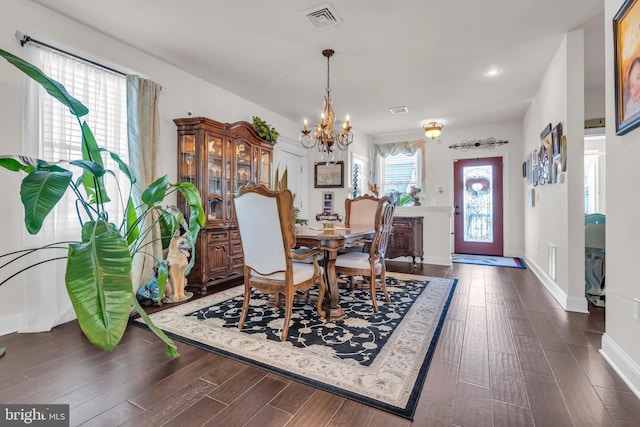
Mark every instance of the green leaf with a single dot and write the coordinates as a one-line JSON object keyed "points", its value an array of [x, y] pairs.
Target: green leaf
{"points": [[172, 350], [40, 191], [155, 192], [53, 87], [122, 165], [196, 216], [405, 199], [132, 231], [93, 185], [18, 163], [169, 224], [91, 167], [98, 280], [284, 179]]}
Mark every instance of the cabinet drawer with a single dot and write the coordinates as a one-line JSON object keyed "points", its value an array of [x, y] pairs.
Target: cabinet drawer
{"points": [[218, 236], [236, 247], [401, 225], [235, 235]]}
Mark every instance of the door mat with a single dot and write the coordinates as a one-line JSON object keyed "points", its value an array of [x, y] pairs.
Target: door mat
{"points": [[496, 261]]}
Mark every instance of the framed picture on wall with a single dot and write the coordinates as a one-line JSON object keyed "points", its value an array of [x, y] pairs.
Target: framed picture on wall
{"points": [[556, 135], [327, 202], [329, 175], [626, 40]]}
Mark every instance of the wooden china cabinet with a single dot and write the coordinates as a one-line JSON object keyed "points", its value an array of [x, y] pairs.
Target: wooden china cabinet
{"points": [[219, 158]]}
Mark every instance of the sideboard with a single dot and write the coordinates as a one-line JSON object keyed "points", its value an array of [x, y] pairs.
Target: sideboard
{"points": [[406, 239]]}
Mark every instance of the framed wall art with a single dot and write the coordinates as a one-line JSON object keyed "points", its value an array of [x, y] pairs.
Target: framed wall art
{"points": [[327, 202], [329, 175], [626, 40], [556, 135]]}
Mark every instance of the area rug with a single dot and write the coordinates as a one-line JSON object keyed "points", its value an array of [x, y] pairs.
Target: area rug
{"points": [[496, 261], [379, 359]]}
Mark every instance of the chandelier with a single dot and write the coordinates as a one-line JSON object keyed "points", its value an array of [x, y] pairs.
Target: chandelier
{"points": [[324, 136], [433, 130]]}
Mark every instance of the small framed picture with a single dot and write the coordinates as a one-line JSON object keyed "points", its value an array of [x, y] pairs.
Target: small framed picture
{"points": [[556, 136], [327, 202]]}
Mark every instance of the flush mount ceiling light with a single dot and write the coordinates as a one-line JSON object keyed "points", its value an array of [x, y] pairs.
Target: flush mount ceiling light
{"points": [[325, 137], [433, 130]]}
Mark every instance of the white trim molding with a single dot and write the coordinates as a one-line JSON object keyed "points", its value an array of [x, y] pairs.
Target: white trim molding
{"points": [[628, 370]]}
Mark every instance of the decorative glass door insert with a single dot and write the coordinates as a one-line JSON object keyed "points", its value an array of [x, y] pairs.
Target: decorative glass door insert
{"points": [[478, 213]]}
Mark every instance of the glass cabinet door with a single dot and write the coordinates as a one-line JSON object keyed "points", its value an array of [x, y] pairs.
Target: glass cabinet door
{"points": [[188, 164], [228, 174], [264, 170], [214, 177], [243, 164]]}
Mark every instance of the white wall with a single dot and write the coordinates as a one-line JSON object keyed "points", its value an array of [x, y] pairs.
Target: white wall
{"points": [[620, 343], [558, 215], [182, 93]]}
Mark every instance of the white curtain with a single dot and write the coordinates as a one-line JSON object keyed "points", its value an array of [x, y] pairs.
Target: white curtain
{"points": [[51, 133], [143, 135], [408, 148]]}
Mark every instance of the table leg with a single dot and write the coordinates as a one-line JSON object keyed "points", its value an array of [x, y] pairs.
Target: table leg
{"points": [[332, 296]]}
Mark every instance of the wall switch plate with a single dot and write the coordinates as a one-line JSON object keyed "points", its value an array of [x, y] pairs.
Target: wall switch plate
{"points": [[636, 309]]}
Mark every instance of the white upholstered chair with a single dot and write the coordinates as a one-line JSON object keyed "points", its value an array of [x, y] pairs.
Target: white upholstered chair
{"points": [[266, 221], [371, 263]]}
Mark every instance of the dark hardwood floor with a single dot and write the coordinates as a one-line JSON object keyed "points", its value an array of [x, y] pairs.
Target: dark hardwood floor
{"points": [[508, 356]]}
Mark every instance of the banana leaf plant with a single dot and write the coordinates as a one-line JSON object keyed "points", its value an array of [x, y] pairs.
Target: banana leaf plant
{"points": [[98, 270]]}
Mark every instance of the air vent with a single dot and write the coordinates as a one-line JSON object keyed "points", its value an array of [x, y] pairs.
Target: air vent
{"points": [[399, 110], [323, 16]]}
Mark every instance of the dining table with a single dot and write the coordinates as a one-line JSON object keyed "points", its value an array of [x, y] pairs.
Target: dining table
{"points": [[330, 239]]}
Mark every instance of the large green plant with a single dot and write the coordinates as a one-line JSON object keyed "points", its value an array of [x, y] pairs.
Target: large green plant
{"points": [[98, 273]]}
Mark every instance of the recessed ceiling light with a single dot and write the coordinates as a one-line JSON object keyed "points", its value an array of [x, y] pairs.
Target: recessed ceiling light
{"points": [[493, 72]]}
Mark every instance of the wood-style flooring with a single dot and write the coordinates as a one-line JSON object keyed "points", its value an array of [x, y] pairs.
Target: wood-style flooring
{"points": [[508, 356]]}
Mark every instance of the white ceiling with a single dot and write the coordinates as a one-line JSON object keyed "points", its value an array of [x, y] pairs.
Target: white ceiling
{"points": [[427, 55]]}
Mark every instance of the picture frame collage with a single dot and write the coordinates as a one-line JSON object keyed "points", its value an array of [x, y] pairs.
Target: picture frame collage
{"points": [[548, 163]]}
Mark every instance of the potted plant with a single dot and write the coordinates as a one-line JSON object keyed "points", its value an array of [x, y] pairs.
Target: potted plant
{"points": [[265, 131], [98, 272]]}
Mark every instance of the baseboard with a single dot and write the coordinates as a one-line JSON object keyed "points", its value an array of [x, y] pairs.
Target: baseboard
{"points": [[438, 260], [10, 324], [628, 370], [578, 305]]}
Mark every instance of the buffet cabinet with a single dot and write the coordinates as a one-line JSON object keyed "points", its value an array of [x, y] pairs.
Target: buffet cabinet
{"points": [[219, 158], [406, 239]]}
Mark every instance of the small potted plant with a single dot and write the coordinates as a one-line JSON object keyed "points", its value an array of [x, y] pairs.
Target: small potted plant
{"points": [[265, 131]]}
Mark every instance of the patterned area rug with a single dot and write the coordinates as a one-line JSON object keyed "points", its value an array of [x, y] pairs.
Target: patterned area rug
{"points": [[379, 359], [496, 261]]}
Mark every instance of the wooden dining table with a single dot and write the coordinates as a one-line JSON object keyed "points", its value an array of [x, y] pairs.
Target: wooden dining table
{"points": [[330, 240]]}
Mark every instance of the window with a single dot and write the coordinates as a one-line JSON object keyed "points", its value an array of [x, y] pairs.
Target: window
{"points": [[60, 137], [400, 172]]}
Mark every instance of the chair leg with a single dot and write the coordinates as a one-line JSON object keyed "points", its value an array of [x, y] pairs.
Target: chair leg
{"points": [[245, 304], [383, 284], [287, 315], [372, 289]]}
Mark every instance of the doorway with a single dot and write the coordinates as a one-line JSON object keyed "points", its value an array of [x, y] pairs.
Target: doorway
{"points": [[477, 196]]}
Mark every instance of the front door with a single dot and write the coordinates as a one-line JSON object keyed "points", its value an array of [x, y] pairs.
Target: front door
{"points": [[477, 198]]}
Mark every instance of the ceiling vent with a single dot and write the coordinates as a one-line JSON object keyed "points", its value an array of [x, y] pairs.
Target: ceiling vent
{"points": [[399, 110], [323, 16]]}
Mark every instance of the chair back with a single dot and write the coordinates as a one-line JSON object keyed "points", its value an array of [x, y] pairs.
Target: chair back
{"points": [[266, 222], [361, 210], [383, 225]]}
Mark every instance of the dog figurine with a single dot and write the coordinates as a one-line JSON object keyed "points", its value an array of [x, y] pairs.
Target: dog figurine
{"points": [[178, 259]]}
